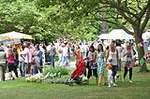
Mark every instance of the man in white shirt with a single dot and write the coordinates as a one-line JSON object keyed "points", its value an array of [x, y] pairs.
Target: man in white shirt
{"points": [[65, 55], [28, 57]]}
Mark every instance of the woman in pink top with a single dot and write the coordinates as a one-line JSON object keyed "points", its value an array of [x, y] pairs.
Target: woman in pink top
{"points": [[10, 61]]}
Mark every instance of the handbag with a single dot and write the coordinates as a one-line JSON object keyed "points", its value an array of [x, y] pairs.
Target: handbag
{"points": [[109, 66]]}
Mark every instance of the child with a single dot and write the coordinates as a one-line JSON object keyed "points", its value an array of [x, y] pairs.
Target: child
{"points": [[109, 75]]}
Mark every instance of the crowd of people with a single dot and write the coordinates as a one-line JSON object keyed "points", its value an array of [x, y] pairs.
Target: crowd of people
{"points": [[30, 58], [110, 58]]}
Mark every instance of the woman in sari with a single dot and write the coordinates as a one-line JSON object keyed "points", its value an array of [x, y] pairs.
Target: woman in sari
{"points": [[80, 65]]}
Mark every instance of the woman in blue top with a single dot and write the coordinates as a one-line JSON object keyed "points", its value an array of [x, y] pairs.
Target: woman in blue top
{"points": [[101, 65]]}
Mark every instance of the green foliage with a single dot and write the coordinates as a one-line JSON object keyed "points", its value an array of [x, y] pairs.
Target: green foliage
{"points": [[50, 75], [20, 89], [47, 20], [57, 70], [56, 80]]}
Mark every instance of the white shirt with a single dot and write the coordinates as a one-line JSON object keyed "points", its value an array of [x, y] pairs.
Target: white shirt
{"points": [[48, 47], [125, 57], [21, 58], [28, 55], [65, 51], [119, 49], [113, 57]]}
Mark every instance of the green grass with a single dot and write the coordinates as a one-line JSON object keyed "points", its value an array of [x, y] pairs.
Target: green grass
{"points": [[19, 89]]}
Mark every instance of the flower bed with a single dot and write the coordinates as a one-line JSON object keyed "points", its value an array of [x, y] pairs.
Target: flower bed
{"points": [[51, 75]]}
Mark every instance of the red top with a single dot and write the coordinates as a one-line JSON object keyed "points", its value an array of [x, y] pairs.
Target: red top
{"points": [[10, 58]]}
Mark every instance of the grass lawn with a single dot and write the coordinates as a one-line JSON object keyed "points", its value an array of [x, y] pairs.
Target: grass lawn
{"points": [[19, 89]]}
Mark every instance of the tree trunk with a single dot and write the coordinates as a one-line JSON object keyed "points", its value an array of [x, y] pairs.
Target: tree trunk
{"points": [[140, 50], [104, 27]]}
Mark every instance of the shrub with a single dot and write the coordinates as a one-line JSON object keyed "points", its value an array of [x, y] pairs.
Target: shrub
{"points": [[57, 71], [50, 75]]}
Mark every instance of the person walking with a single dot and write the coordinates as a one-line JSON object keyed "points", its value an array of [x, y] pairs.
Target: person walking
{"points": [[109, 75], [3, 65], [112, 59], [92, 59], [101, 64], [66, 54], [52, 53], [11, 63], [37, 55], [129, 61], [16, 61], [77, 53], [28, 51], [22, 63]]}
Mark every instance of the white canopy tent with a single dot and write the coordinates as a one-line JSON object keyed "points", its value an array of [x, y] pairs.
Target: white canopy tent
{"points": [[117, 34], [104, 36], [146, 35], [14, 36], [120, 34]]}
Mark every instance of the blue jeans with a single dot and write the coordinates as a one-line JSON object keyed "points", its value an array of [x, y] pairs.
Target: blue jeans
{"points": [[65, 60], [22, 68], [114, 71], [52, 60], [36, 70]]}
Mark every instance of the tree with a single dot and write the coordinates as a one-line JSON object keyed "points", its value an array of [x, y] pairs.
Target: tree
{"points": [[47, 20], [130, 15], [80, 19], [136, 13], [17, 15]]}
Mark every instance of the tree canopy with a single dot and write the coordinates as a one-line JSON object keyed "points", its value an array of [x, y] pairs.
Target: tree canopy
{"points": [[46, 20], [77, 19]]}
